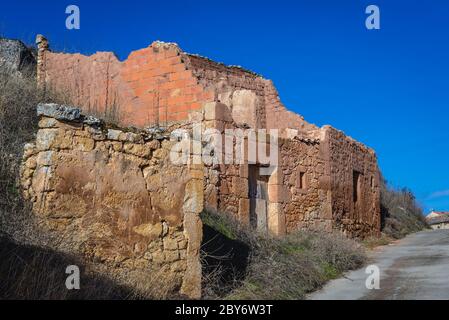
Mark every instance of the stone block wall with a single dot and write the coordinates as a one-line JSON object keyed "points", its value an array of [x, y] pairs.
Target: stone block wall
{"points": [[225, 185], [291, 203], [114, 197], [355, 185], [303, 177]]}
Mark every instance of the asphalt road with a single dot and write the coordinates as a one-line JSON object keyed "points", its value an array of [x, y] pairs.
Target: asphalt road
{"points": [[416, 267]]}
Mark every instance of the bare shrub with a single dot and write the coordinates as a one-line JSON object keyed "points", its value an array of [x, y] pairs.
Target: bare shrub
{"points": [[18, 122], [19, 96], [373, 242], [110, 114], [281, 268]]}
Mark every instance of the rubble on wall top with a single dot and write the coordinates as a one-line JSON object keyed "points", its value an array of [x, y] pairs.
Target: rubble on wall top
{"points": [[304, 136], [307, 140], [158, 45], [66, 113], [237, 67], [164, 44], [59, 112], [349, 138], [72, 114], [40, 38]]}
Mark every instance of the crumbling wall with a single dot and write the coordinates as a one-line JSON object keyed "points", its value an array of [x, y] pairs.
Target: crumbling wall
{"points": [[311, 187], [355, 185], [303, 190], [225, 183], [165, 87], [277, 115], [241, 90], [152, 87], [161, 84], [114, 197]]}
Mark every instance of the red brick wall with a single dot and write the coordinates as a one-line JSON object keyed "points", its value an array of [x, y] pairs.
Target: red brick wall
{"points": [[159, 84], [153, 86]]}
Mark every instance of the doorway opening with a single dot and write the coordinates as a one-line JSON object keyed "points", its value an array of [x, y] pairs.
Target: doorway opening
{"points": [[258, 198]]}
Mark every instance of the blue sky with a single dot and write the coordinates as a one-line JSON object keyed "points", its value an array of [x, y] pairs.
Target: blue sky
{"points": [[388, 88]]}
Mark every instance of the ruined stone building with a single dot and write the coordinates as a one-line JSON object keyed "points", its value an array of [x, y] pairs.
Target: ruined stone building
{"points": [[116, 188]]}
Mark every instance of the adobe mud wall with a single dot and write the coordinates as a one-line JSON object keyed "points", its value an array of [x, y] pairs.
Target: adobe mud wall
{"points": [[114, 197]]}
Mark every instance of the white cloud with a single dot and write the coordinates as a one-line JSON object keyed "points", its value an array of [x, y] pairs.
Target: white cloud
{"points": [[439, 194]]}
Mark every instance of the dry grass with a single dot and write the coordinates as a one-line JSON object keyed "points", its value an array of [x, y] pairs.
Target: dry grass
{"points": [[29, 272], [29, 268], [280, 268], [18, 123], [38, 273], [19, 96], [373, 242], [110, 115]]}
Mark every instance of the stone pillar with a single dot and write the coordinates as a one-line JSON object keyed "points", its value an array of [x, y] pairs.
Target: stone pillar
{"points": [[276, 196], [193, 229], [325, 180], [42, 48]]}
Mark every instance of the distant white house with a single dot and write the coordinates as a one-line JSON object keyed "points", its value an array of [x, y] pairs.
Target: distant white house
{"points": [[438, 220]]}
